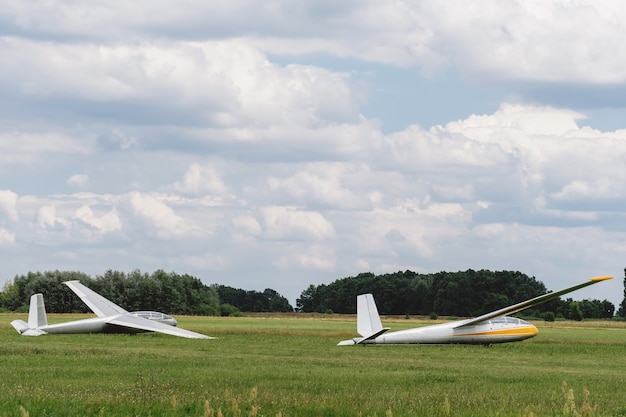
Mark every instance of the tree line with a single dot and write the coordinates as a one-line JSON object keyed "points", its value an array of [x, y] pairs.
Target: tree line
{"points": [[464, 294], [163, 291]]}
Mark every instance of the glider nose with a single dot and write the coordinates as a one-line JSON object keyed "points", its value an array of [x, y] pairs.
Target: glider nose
{"points": [[531, 331]]}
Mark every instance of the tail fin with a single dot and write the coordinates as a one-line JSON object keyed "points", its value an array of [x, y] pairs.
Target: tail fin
{"points": [[37, 313], [368, 321], [36, 318]]}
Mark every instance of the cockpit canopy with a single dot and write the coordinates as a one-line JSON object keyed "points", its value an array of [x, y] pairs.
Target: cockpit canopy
{"points": [[508, 320], [156, 316]]}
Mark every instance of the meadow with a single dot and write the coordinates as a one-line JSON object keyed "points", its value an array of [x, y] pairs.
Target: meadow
{"points": [[289, 365]]}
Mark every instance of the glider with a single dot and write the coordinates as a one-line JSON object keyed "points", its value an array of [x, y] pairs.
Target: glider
{"points": [[494, 327], [111, 318]]}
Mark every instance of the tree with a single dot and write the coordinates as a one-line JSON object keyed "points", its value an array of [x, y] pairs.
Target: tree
{"points": [[255, 301], [308, 302], [589, 308], [607, 309], [575, 312], [10, 296], [622, 307], [277, 303]]}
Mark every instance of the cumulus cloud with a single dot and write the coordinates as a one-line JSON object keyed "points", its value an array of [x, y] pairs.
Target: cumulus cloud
{"points": [[312, 257], [6, 237], [226, 83], [78, 180], [108, 222], [160, 220], [289, 223], [599, 188], [521, 40], [46, 216], [199, 180], [317, 184], [247, 225], [8, 202]]}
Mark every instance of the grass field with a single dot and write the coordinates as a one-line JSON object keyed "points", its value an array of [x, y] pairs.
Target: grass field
{"points": [[290, 366]]}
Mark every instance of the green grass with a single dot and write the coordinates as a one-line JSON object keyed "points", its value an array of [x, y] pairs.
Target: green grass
{"points": [[290, 366]]}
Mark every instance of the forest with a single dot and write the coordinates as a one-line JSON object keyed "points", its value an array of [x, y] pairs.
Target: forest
{"points": [[163, 291], [461, 294]]}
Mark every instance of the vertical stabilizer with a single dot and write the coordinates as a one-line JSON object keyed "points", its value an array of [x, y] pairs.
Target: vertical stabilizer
{"points": [[368, 320], [37, 313]]}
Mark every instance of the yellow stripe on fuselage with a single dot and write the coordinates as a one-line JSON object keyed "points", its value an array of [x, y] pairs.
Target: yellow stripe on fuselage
{"points": [[518, 331]]}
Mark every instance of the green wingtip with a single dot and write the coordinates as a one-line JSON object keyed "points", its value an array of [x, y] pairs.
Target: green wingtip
{"points": [[602, 278]]}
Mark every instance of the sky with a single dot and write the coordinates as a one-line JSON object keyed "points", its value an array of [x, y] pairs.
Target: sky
{"points": [[285, 143]]}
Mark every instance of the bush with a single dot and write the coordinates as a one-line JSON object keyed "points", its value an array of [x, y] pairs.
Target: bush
{"points": [[228, 310]]}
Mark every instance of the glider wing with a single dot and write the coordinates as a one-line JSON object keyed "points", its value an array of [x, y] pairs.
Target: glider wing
{"points": [[97, 303], [139, 323], [532, 302]]}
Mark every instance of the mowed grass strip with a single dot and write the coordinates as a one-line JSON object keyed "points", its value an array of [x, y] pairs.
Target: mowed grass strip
{"points": [[290, 366]]}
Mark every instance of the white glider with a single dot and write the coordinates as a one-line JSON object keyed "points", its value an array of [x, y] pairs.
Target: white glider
{"points": [[494, 327], [111, 318]]}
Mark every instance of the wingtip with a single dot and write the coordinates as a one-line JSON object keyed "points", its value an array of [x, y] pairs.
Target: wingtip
{"points": [[602, 278]]}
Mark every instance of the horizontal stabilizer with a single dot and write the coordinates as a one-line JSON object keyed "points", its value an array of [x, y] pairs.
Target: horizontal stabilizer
{"points": [[22, 328], [373, 336], [362, 340], [20, 325]]}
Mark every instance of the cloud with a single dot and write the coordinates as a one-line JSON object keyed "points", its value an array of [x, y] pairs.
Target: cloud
{"points": [[319, 184], [289, 223], [315, 257], [600, 188], [106, 223], [78, 180], [159, 219], [247, 225], [8, 202], [199, 180], [28, 148], [47, 218], [6, 237], [524, 40], [223, 83]]}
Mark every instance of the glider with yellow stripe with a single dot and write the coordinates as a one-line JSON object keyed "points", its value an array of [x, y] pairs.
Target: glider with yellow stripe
{"points": [[493, 327]]}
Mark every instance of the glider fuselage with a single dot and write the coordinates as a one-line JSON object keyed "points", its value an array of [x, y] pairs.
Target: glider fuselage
{"points": [[91, 325], [498, 330]]}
